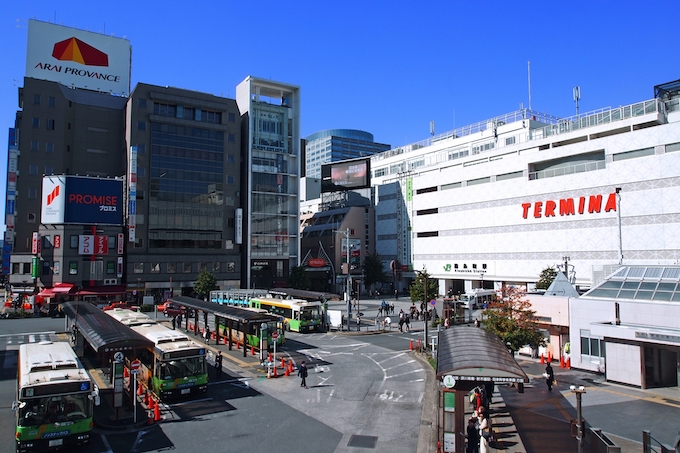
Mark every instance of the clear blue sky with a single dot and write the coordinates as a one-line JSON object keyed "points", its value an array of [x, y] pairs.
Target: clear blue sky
{"points": [[386, 68]]}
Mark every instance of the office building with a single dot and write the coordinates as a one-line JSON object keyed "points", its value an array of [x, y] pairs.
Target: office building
{"points": [[334, 145]]}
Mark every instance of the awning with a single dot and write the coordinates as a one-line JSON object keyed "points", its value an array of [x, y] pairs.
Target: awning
{"points": [[112, 290], [23, 289], [64, 288], [47, 292]]}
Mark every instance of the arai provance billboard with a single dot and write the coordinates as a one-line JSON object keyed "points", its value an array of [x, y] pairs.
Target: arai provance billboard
{"points": [[346, 175], [78, 58], [81, 200]]}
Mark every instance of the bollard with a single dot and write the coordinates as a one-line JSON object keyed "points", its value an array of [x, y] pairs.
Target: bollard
{"points": [[156, 413]]}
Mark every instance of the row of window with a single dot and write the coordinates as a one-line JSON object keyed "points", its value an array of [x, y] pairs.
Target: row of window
{"points": [[35, 146], [35, 123], [54, 267], [51, 100]]}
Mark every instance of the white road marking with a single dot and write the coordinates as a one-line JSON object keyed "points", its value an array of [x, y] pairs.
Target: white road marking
{"points": [[106, 444]]}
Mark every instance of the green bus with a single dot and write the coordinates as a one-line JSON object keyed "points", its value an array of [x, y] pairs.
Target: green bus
{"points": [[176, 365], [55, 398], [298, 315]]}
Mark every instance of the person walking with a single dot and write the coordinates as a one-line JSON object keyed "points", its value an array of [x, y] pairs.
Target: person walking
{"points": [[302, 372], [218, 365], [549, 376], [484, 431]]}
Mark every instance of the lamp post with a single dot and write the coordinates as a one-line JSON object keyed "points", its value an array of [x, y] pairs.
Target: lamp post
{"points": [[139, 285], [348, 282], [578, 391]]}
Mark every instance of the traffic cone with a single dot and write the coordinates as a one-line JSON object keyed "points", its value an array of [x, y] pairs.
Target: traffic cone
{"points": [[568, 364], [287, 372], [252, 350], [410, 345], [283, 362], [549, 357], [269, 358], [542, 359], [290, 367], [156, 413], [126, 373], [152, 402], [561, 361], [275, 373], [140, 389]]}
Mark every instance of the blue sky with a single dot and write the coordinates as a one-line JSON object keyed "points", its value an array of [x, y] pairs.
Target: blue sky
{"points": [[389, 70]]}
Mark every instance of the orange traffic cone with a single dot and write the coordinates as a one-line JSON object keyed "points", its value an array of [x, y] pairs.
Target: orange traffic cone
{"points": [[152, 402], [283, 362], [549, 357], [561, 361], [140, 389], [275, 373], [287, 372], [156, 413], [290, 367], [410, 345], [252, 350], [568, 364], [418, 343], [269, 358], [542, 358]]}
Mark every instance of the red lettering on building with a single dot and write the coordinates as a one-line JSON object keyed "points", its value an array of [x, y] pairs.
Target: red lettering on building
{"points": [[567, 206], [106, 200]]}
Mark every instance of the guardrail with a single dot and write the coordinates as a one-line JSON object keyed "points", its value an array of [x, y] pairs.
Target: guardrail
{"points": [[651, 445]]}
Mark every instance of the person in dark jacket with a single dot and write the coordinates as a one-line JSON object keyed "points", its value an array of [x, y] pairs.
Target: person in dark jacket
{"points": [[549, 377], [218, 365], [472, 436], [302, 372]]}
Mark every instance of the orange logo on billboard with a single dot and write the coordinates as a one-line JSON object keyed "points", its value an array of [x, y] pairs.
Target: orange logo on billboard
{"points": [[73, 49], [54, 194]]}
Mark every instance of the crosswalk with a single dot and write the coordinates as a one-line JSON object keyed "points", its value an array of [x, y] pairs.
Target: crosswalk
{"points": [[11, 342]]}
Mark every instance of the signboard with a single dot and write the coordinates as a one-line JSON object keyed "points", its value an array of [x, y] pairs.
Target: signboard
{"points": [[35, 243], [449, 381], [346, 175], [275, 335], [78, 58], [93, 245], [135, 365], [82, 200]]}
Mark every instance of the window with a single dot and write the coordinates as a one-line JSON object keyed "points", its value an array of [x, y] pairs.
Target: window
{"points": [[110, 267], [36, 99], [139, 243], [141, 148], [202, 267], [141, 171], [230, 180], [672, 147], [633, 154], [26, 268], [50, 125], [47, 241], [141, 103], [186, 267], [509, 141], [231, 138], [171, 268], [52, 101], [35, 145], [591, 346], [33, 194], [35, 122], [49, 147], [155, 268], [231, 266], [230, 158], [138, 268], [46, 268], [49, 170], [428, 234], [32, 169], [56, 268], [73, 268], [31, 217], [216, 266], [73, 242], [141, 125], [231, 117]]}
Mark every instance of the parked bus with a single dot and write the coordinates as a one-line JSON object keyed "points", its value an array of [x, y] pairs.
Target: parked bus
{"points": [[252, 336], [477, 298], [55, 398], [298, 315], [176, 365], [235, 297]]}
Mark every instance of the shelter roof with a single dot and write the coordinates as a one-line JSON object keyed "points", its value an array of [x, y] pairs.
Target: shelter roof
{"points": [[474, 354]]}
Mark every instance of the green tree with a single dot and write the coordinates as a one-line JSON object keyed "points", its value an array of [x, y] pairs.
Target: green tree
{"points": [[546, 278], [373, 270], [511, 318], [417, 289], [205, 282], [298, 278]]}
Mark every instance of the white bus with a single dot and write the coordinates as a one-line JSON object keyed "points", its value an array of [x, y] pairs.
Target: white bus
{"points": [[477, 298], [55, 398]]}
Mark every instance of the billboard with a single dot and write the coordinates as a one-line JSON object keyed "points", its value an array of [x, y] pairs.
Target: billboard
{"points": [[81, 200], [78, 58], [346, 175]]}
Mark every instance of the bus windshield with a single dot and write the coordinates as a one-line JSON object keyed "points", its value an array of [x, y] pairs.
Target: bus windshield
{"points": [[309, 313], [180, 368], [52, 409]]}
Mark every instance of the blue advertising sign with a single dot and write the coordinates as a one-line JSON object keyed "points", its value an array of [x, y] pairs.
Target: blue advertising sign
{"points": [[93, 201], [10, 207]]}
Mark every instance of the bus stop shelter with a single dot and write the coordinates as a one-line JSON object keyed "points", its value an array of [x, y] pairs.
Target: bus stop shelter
{"points": [[468, 357], [237, 318]]}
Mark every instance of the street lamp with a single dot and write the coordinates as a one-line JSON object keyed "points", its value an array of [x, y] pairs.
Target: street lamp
{"points": [[578, 391]]}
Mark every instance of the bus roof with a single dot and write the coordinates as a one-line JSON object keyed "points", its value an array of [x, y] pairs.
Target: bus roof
{"points": [[165, 338], [45, 362], [129, 318], [288, 302]]}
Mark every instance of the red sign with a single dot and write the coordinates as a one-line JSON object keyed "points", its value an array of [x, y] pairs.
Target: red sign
{"points": [[101, 245], [135, 364], [121, 243], [35, 244], [57, 241], [569, 206], [275, 335], [316, 262]]}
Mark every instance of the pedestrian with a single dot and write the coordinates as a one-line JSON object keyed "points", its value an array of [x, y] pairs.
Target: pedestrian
{"points": [[484, 431], [549, 377], [392, 307], [302, 372], [407, 321], [396, 294], [206, 334], [476, 322], [676, 445], [478, 399], [446, 322], [472, 436], [218, 365]]}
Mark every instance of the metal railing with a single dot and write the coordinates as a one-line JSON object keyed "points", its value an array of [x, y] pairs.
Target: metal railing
{"points": [[651, 445], [571, 169]]}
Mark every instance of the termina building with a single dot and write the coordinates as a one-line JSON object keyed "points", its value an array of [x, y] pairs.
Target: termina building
{"points": [[498, 201]]}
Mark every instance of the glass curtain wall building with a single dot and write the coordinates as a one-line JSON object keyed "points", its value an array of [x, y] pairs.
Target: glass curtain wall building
{"points": [[334, 145], [271, 156]]}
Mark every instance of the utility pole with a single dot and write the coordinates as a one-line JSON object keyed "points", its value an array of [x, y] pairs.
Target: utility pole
{"points": [[348, 281], [425, 314]]}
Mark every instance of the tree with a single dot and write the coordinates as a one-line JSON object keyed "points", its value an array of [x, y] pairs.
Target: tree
{"points": [[373, 270], [298, 278], [205, 282], [546, 278], [511, 318], [417, 289]]}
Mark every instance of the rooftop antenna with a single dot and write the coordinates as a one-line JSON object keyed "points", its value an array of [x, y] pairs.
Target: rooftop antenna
{"points": [[432, 128], [529, 77], [577, 96]]}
